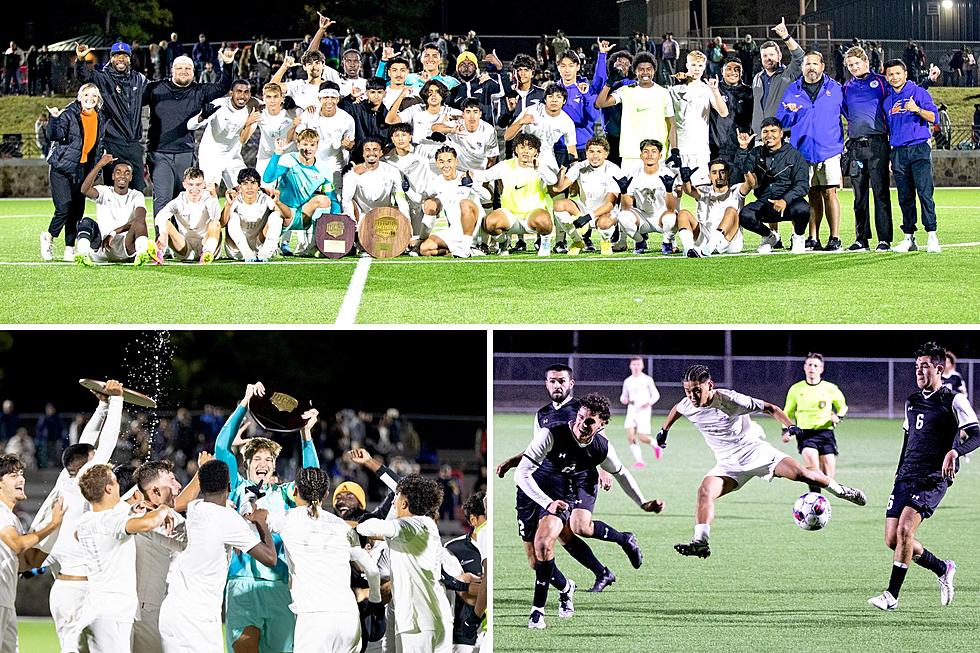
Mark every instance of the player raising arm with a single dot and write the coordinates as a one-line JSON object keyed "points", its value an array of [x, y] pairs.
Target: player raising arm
{"points": [[715, 226]]}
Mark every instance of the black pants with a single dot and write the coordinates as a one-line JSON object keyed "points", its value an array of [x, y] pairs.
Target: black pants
{"points": [[753, 215], [167, 172], [869, 159], [69, 203], [132, 153]]}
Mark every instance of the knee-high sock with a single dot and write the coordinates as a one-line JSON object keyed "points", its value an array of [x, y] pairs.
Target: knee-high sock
{"points": [[272, 234], [237, 236], [543, 572], [603, 531], [686, 236], [565, 221], [582, 553], [897, 578], [930, 562]]}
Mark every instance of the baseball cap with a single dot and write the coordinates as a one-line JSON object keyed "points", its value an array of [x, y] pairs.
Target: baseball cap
{"points": [[467, 56], [353, 488], [121, 47]]}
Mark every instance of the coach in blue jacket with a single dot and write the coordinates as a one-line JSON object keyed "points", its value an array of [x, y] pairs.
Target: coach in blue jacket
{"points": [[811, 108]]}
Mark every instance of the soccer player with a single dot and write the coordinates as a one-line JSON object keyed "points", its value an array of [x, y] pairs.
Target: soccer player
{"points": [[351, 83], [551, 126], [304, 91], [273, 122], [423, 618], [639, 395], [522, 93], [934, 417], [431, 60], [190, 617], [816, 406], [594, 199], [559, 473], [954, 381], [474, 139], [467, 635], [649, 201], [368, 114], [397, 69], [220, 150], [15, 545], [694, 103], [335, 128], [714, 228], [319, 548], [416, 170], [106, 537], [524, 201], [257, 595], [119, 230], [373, 184], [252, 219], [722, 417], [461, 206], [423, 116], [189, 226], [580, 105], [738, 97]]}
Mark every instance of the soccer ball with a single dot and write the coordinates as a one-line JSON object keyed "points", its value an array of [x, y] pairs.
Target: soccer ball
{"points": [[811, 511]]}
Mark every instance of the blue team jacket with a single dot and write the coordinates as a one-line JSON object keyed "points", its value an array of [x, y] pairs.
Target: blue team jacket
{"points": [[817, 129]]}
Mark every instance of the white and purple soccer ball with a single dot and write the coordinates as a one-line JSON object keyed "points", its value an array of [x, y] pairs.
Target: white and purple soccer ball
{"points": [[811, 511]]}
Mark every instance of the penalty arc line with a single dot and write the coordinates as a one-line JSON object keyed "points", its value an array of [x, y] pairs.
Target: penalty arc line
{"points": [[347, 315]]}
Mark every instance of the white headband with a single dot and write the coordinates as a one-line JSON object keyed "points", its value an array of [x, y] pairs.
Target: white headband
{"points": [[328, 92]]}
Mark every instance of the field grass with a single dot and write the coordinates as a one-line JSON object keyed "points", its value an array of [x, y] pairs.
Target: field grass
{"points": [[768, 585], [748, 288], [37, 635]]}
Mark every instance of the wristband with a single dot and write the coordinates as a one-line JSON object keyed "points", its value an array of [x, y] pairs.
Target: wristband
{"points": [[786, 38]]}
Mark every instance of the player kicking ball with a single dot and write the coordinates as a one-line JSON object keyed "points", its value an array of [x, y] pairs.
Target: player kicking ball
{"points": [[934, 417], [118, 233], [722, 417], [252, 220], [715, 227], [189, 226]]}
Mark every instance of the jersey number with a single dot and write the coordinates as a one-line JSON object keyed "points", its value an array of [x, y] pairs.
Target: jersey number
{"points": [[918, 421], [891, 500]]}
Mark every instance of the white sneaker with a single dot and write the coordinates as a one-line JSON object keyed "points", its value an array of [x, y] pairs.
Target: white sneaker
{"points": [[536, 622], [545, 249], [565, 606], [934, 247], [799, 244], [907, 244], [884, 601], [69, 255], [47, 246], [765, 247], [946, 584]]}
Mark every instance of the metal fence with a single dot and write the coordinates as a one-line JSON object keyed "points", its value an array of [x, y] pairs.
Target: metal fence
{"points": [[873, 387]]}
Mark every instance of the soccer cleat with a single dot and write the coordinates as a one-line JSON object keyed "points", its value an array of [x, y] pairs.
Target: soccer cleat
{"points": [[605, 248], [768, 243], [603, 581], [858, 246], [142, 258], [946, 584], [693, 548], [83, 259], [69, 255], [933, 246], [666, 249], [639, 464], [47, 246], [284, 249], [560, 248], [694, 253], [252, 259], [907, 244], [658, 452], [536, 622], [589, 247], [640, 247], [799, 245], [206, 258], [632, 550], [519, 246], [779, 243], [884, 601], [565, 607], [812, 243], [833, 244], [477, 251], [883, 247], [155, 252], [576, 249], [853, 495]]}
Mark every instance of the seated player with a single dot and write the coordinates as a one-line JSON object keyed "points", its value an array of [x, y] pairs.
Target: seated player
{"points": [[119, 231], [423, 116], [715, 228], [722, 417], [525, 205], [649, 201], [272, 122], [373, 184], [559, 473], [459, 204], [303, 186], [414, 163], [551, 125], [594, 200], [252, 219], [189, 226], [336, 130], [220, 150]]}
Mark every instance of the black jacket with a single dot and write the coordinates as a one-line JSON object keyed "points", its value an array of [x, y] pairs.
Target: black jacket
{"points": [[366, 122], [171, 106], [485, 92], [535, 95], [65, 134], [738, 98], [122, 97], [782, 174]]}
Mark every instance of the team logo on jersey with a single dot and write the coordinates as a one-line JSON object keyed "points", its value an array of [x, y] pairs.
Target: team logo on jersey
{"points": [[284, 402], [828, 93], [874, 84], [823, 404], [568, 470]]}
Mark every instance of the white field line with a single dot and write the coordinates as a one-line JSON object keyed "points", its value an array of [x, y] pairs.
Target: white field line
{"points": [[347, 315]]}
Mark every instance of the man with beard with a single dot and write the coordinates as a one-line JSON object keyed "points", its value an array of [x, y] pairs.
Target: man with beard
{"points": [[122, 95], [172, 103], [373, 184], [714, 227], [220, 150], [619, 74], [485, 87], [737, 95]]}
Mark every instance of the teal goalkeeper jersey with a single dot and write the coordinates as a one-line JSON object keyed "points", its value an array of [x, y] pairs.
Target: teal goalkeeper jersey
{"points": [[277, 500], [298, 182]]}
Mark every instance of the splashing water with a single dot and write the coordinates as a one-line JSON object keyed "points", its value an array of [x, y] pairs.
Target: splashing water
{"points": [[147, 361]]}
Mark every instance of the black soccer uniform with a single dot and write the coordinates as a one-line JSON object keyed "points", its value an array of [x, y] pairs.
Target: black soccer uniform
{"points": [[954, 382], [932, 424], [465, 550]]}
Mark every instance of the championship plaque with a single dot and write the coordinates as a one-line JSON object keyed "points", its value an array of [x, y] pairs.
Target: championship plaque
{"points": [[278, 411], [333, 233], [129, 396], [384, 232]]}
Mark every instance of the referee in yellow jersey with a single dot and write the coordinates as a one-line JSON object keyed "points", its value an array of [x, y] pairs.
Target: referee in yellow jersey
{"points": [[816, 406]]}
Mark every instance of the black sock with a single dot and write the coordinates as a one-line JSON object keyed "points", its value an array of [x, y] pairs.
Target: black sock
{"points": [[930, 562], [815, 488], [543, 571], [603, 531], [582, 553], [558, 580], [898, 577]]}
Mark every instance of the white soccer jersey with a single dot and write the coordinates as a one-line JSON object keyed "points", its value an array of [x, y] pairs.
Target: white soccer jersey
{"points": [[692, 113], [640, 390], [594, 183], [305, 94], [724, 422], [270, 128], [67, 550], [9, 564], [649, 193], [422, 119], [190, 216], [450, 193], [113, 210], [154, 550], [222, 133], [415, 166], [111, 555], [348, 85], [550, 129], [255, 213], [330, 153], [318, 552], [474, 149], [391, 94], [373, 188], [712, 205]]}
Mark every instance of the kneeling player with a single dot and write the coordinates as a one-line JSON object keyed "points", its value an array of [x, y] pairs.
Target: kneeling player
{"points": [[190, 224], [722, 417], [715, 229], [119, 230], [649, 202], [595, 199], [524, 203], [460, 204], [373, 184], [252, 220]]}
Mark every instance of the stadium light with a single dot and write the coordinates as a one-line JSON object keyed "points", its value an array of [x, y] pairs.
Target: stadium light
{"points": [[947, 4]]}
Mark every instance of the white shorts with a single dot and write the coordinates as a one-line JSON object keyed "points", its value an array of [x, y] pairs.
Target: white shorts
{"points": [[146, 631], [700, 161], [758, 459], [66, 600], [327, 632], [8, 630], [639, 419], [826, 173], [646, 223], [459, 244], [518, 225], [424, 641], [114, 253], [109, 636], [221, 168], [183, 632]]}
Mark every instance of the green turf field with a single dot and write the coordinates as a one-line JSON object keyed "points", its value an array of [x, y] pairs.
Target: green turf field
{"points": [[768, 585], [839, 288], [37, 635]]}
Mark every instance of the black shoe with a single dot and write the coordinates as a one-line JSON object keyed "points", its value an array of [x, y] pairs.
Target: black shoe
{"points": [[666, 249], [699, 549], [519, 246], [483, 247], [589, 247], [640, 247], [779, 243], [603, 581], [560, 248], [694, 253], [858, 246], [812, 243], [883, 247], [833, 245], [632, 550]]}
